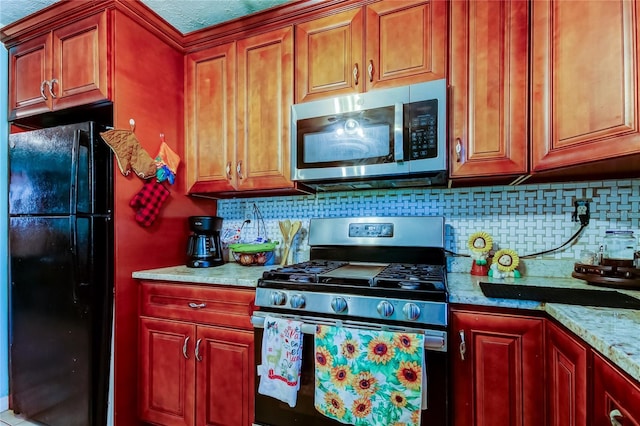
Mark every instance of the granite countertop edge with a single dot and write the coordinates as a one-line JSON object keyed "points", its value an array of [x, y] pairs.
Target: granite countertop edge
{"points": [[609, 331]]}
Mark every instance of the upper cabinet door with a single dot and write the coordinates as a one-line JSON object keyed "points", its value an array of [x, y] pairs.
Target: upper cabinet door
{"points": [[210, 110], [63, 68], [80, 62], [405, 43], [29, 71], [265, 95], [489, 88], [329, 56], [585, 100]]}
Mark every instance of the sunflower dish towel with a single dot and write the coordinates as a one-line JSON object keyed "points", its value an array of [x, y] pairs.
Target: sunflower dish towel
{"points": [[367, 377]]}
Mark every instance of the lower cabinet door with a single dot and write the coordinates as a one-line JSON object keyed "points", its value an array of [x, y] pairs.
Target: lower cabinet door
{"points": [[616, 398], [225, 377], [167, 372], [497, 369], [566, 359]]}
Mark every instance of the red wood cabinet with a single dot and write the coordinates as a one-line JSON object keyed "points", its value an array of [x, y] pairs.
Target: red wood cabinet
{"points": [[586, 92], [196, 355], [616, 398], [210, 117], [63, 68], [384, 44], [488, 70], [567, 377], [497, 367]]}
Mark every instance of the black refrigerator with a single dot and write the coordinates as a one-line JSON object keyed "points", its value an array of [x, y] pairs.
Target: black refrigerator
{"points": [[61, 274]]}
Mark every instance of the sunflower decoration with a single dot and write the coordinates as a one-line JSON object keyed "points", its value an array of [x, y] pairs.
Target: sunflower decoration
{"points": [[480, 244], [505, 262]]}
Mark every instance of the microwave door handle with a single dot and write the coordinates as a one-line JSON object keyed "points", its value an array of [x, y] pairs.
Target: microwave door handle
{"points": [[398, 145]]}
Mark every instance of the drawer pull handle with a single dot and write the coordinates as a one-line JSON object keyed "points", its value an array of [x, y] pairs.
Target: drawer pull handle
{"points": [[44, 82], [197, 305], [463, 345], [184, 348], [198, 357], [614, 415], [356, 74]]}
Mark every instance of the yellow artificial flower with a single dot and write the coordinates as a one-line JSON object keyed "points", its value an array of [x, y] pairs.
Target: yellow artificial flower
{"points": [[506, 260], [480, 242]]}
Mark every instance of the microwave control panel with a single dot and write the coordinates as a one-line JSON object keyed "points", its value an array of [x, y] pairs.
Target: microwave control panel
{"points": [[421, 130]]}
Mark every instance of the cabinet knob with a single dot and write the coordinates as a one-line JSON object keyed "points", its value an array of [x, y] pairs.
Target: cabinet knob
{"points": [[197, 305], [50, 83], [184, 348], [356, 74], [44, 82], [370, 71], [198, 357], [463, 345], [614, 415]]}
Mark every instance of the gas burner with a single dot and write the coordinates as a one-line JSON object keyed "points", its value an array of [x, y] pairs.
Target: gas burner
{"points": [[305, 272]]}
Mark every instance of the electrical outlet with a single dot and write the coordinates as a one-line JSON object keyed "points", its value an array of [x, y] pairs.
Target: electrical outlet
{"points": [[581, 212]]}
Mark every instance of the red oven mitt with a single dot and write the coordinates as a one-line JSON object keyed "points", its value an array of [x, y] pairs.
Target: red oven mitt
{"points": [[148, 201]]}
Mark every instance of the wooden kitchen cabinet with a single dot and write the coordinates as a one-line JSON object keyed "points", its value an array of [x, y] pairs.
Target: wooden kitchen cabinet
{"points": [[210, 119], [615, 396], [497, 367], [585, 89], [489, 68], [567, 372], [238, 104], [196, 355], [384, 44], [63, 68]]}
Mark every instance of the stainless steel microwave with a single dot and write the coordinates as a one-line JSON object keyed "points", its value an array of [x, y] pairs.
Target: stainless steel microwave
{"points": [[385, 138]]}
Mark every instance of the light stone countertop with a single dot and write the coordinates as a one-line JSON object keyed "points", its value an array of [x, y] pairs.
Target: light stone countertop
{"points": [[228, 274], [612, 332]]}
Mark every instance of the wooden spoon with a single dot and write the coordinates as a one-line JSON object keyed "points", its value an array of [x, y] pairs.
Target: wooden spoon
{"points": [[293, 230]]}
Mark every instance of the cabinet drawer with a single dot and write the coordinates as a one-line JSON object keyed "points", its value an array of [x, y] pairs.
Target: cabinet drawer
{"points": [[205, 305]]}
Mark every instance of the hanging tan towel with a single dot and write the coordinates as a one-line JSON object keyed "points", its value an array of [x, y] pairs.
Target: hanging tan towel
{"points": [[369, 377], [129, 154]]}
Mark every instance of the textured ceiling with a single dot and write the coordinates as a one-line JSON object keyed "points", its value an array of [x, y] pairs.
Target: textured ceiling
{"points": [[185, 15]]}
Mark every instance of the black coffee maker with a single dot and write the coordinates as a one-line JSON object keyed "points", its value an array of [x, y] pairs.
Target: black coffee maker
{"points": [[204, 248]]}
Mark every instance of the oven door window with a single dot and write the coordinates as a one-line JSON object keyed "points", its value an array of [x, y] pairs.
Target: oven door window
{"points": [[347, 139]]}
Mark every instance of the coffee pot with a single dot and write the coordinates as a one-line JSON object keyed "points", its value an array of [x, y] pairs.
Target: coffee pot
{"points": [[204, 248]]}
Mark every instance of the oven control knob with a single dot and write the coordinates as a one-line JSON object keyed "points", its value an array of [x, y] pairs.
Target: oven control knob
{"points": [[297, 301], [338, 304], [411, 311], [385, 308], [278, 298]]}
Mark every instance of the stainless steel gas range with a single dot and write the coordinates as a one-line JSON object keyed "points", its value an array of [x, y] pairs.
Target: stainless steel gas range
{"points": [[373, 273]]}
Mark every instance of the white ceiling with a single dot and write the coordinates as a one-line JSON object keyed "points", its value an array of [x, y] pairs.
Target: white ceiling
{"points": [[185, 15]]}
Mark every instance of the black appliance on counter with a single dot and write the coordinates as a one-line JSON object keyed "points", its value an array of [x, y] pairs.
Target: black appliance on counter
{"points": [[61, 274], [203, 247], [378, 273]]}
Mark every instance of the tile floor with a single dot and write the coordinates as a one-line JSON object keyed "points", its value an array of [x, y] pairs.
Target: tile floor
{"points": [[11, 419]]}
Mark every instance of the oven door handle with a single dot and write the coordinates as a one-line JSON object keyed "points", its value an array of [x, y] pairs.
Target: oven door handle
{"points": [[434, 340]]}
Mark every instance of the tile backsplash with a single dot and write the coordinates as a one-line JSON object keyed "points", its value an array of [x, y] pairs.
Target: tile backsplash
{"points": [[526, 218]]}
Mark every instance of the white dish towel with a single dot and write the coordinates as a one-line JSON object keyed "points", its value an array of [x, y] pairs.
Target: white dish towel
{"points": [[281, 359]]}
